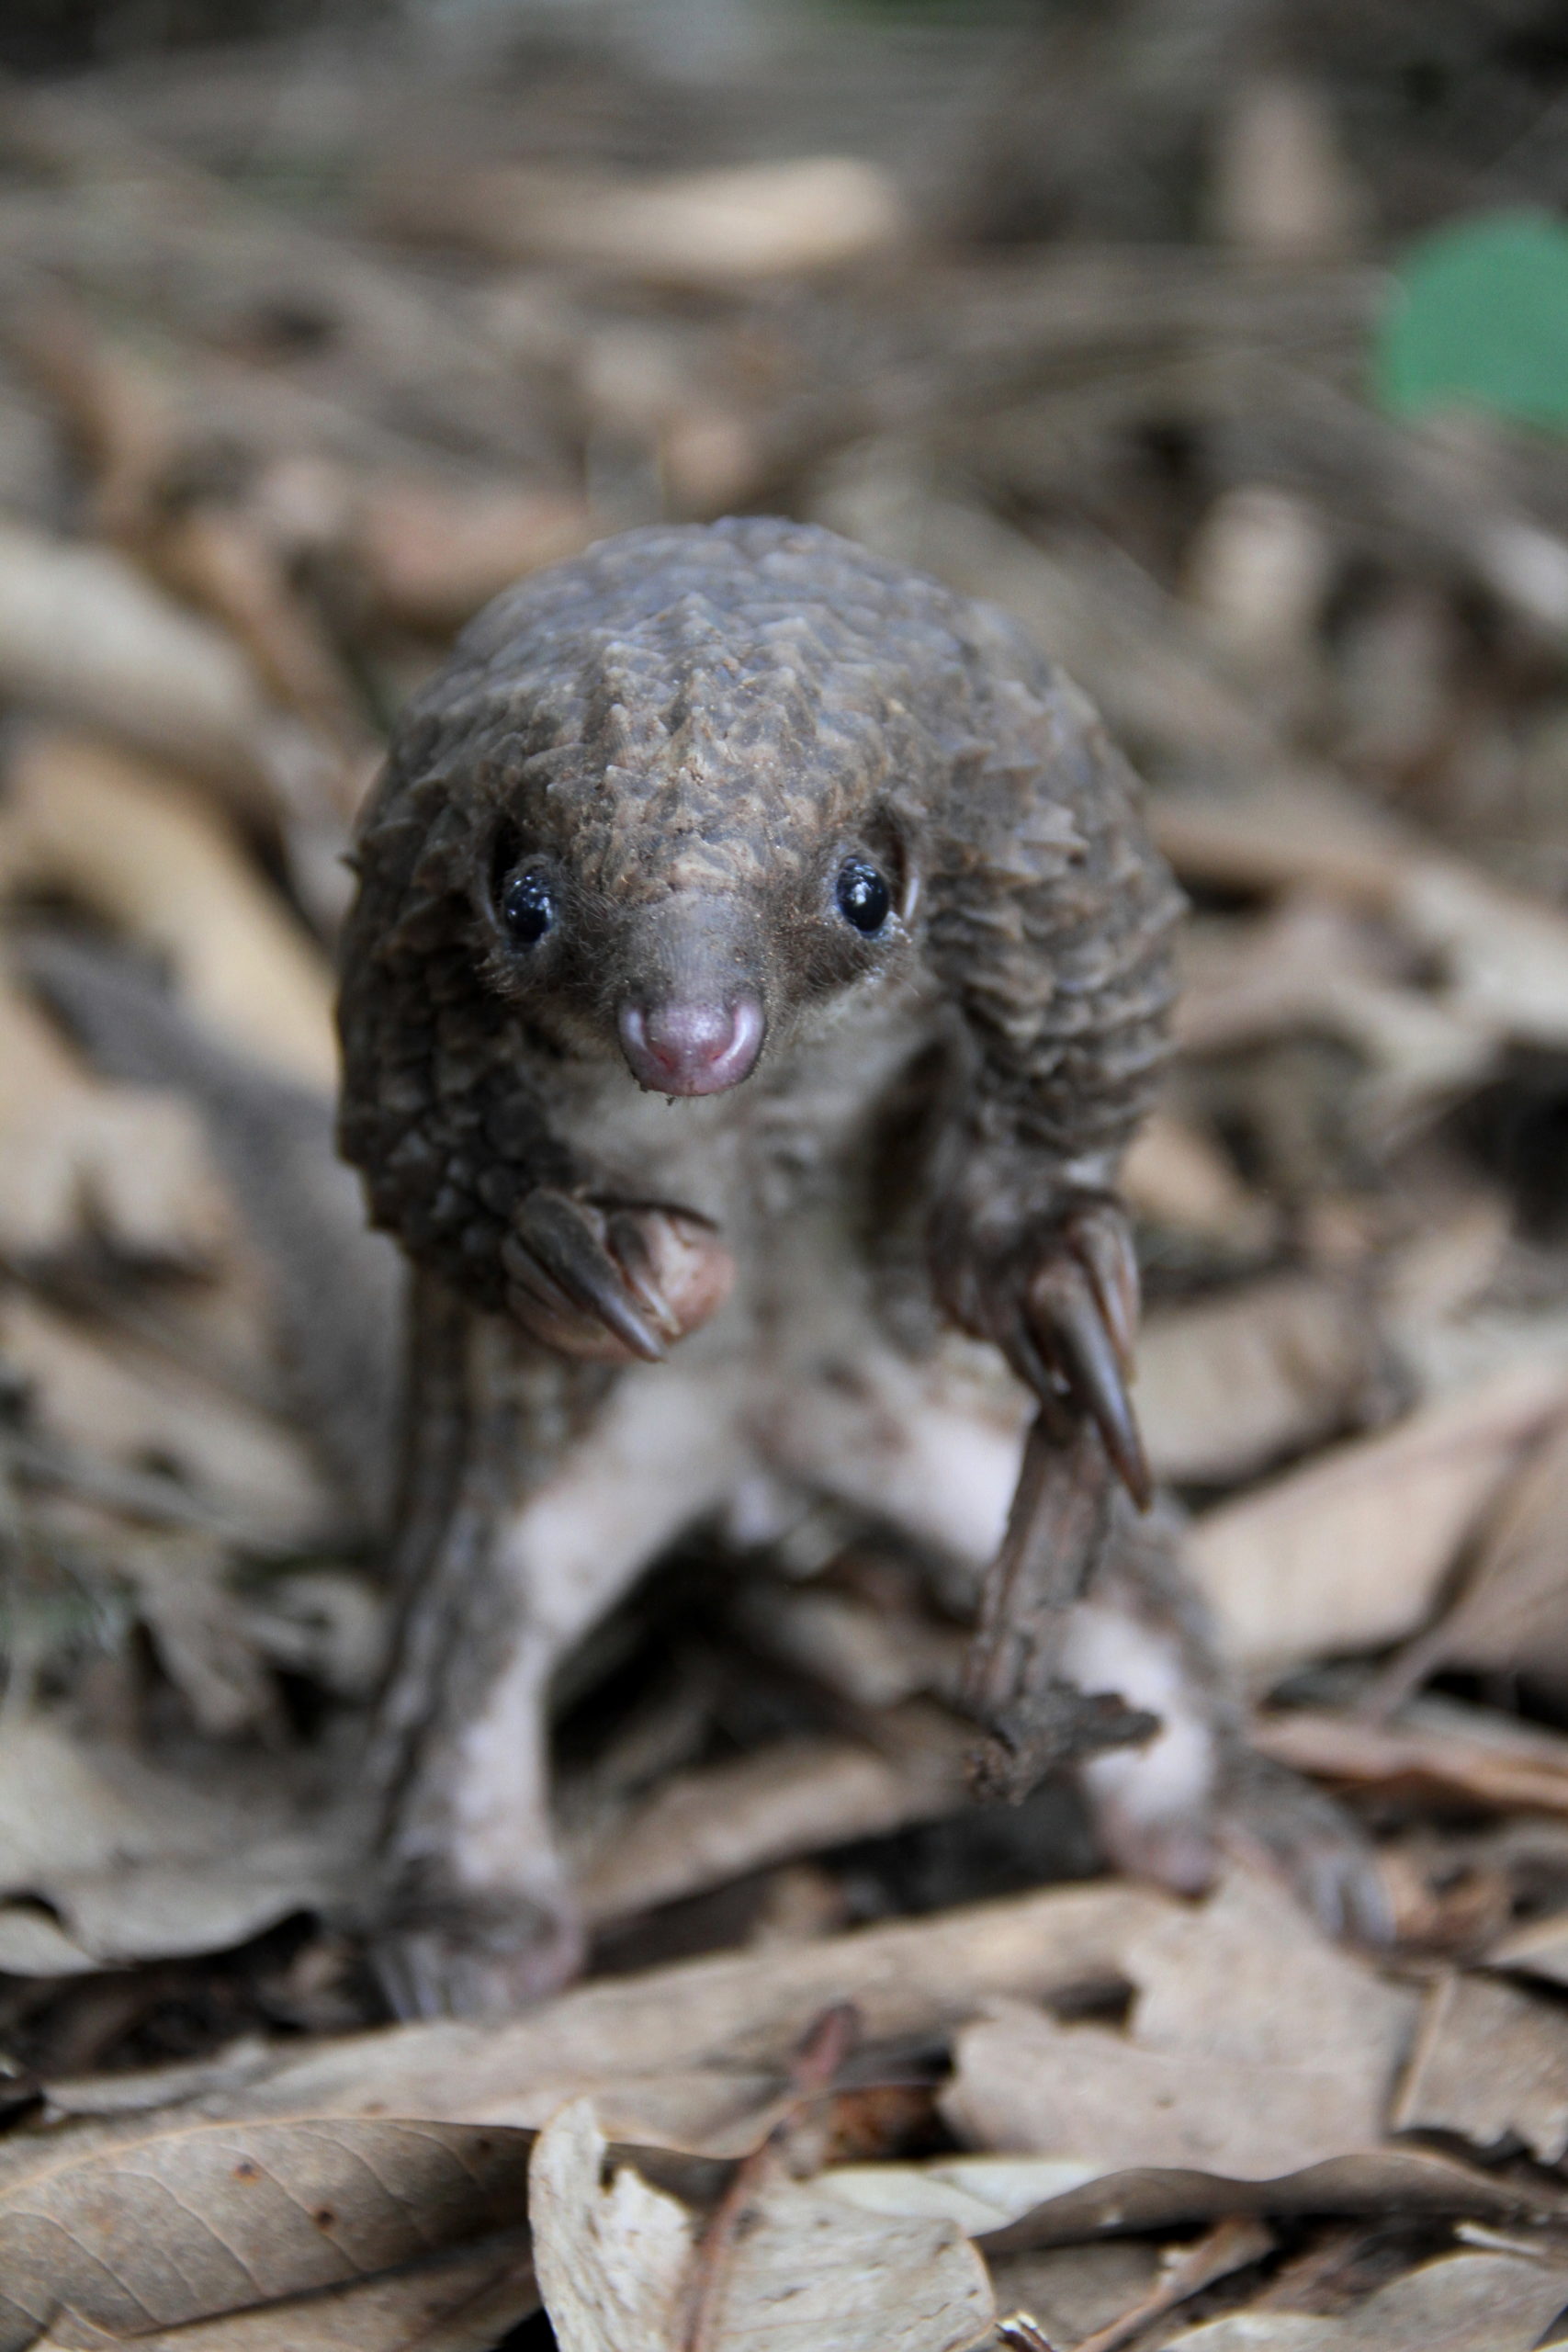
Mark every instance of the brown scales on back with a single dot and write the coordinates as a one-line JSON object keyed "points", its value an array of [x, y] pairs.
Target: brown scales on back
{"points": [[759, 962]]}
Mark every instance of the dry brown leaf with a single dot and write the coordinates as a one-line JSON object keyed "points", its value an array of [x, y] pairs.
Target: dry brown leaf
{"points": [[1539, 1950], [1281, 187], [704, 1826], [693, 2056], [700, 229], [1311, 967], [110, 1395], [106, 1860], [205, 2220], [1072, 2290], [84, 637], [808, 2272], [223, 560], [612, 2258], [805, 2269], [1229, 2246], [1253, 2049], [462, 2301], [1258, 570], [1504, 956], [1351, 1552], [1510, 1615], [1302, 832], [1490, 2063], [146, 854], [433, 557], [184, 1597], [1490, 1762], [82, 1160], [1176, 1176], [1465, 2302], [1227, 1386], [871, 1652]]}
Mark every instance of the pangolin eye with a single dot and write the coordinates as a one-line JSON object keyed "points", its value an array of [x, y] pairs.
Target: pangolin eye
{"points": [[527, 908], [863, 896]]}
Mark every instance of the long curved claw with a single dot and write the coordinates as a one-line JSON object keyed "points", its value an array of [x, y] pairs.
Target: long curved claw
{"points": [[563, 1240], [627, 1243], [1072, 1329], [1100, 1238]]}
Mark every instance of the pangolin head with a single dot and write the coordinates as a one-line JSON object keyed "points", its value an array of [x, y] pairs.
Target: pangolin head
{"points": [[665, 792]]}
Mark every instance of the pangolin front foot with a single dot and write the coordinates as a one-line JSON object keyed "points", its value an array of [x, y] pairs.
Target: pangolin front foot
{"points": [[611, 1281], [1061, 1301]]}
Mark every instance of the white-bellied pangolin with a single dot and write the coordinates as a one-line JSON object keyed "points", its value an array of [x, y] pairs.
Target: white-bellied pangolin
{"points": [[759, 966]]}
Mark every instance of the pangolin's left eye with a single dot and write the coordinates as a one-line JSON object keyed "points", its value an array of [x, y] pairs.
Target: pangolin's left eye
{"points": [[527, 908], [863, 896]]}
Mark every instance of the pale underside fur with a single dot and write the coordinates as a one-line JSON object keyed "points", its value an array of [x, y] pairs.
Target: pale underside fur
{"points": [[804, 1386]]}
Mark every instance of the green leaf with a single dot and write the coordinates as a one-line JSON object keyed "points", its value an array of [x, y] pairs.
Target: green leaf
{"points": [[1480, 320]]}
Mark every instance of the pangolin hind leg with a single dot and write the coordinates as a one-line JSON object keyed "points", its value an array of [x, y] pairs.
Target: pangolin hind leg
{"points": [[541, 1489], [934, 1447]]}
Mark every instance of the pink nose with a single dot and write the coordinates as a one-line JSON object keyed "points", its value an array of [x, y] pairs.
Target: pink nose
{"points": [[681, 1048]]}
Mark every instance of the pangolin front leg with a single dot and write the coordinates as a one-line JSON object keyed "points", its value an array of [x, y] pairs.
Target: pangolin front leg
{"points": [[1059, 1296]]}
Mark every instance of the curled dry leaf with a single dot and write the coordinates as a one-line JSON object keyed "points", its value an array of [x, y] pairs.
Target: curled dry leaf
{"points": [[202, 2220], [698, 229], [82, 1161], [611, 2259], [1227, 1386], [1490, 2063], [84, 637], [806, 2272], [145, 854], [1351, 1552], [1014, 2204], [1501, 954]]}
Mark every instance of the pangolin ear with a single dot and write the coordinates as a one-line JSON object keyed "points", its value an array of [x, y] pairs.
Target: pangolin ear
{"points": [[893, 841]]}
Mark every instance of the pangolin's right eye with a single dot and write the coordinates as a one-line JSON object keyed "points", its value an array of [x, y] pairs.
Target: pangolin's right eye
{"points": [[527, 908]]}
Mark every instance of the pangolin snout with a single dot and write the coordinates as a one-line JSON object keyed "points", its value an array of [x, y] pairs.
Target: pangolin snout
{"points": [[688, 1045]]}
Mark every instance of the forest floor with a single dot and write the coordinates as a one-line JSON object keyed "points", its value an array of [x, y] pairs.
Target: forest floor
{"points": [[306, 348]]}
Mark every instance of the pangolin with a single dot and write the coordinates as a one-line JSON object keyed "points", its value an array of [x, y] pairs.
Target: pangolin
{"points": [[757, 967]]}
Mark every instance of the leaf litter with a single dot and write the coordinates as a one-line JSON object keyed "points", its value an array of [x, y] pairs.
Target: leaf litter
{"points": [[1080, 318]]}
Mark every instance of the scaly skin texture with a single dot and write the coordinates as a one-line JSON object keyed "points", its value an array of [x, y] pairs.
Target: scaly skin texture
{"points": [[725, 712], [886, 1135]]}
